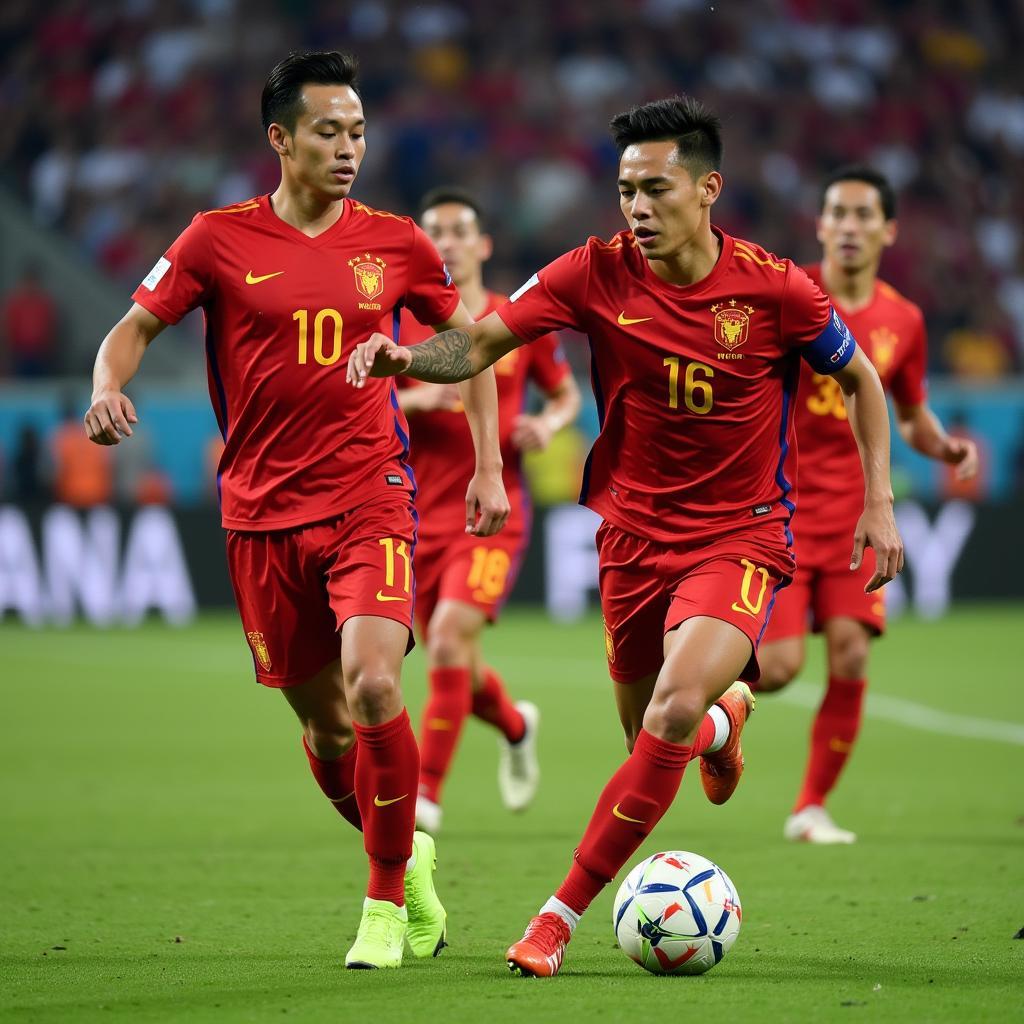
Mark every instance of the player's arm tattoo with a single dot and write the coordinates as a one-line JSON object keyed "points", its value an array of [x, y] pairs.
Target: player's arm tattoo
{"points": [[444, 359]]}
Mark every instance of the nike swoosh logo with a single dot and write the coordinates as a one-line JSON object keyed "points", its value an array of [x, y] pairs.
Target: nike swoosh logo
{"points": [[625, 321], [342, 799], [384, 803], [251, 279], [384, 597], [626, 817]]}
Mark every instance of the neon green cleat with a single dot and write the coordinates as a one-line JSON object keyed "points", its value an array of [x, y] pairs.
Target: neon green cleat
{"points": [[380, 936], [427, 918]]}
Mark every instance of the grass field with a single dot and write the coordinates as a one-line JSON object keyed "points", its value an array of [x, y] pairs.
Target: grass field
{"points": [[166, 857]]}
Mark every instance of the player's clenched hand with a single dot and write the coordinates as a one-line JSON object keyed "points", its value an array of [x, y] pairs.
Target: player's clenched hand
{"points": [[110, 417], [963, 454], [378, 357], [487, 507], [531, 433], [876, 529]]}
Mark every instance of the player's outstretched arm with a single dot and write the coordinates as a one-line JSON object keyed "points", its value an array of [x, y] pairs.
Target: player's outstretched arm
{"points": [[447, 358], [111, 413], [922, 430], [869, 417]]}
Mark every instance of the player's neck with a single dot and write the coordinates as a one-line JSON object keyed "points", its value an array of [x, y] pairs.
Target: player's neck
{"points": [[304, 210], [474, 296], [692, 263], [853, 290]]}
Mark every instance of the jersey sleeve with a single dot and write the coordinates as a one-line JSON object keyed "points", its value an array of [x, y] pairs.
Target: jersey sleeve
{"points": [[909, 384], [551, 299], [548, 366], [811, 325], [182, 278], [430, 296]]}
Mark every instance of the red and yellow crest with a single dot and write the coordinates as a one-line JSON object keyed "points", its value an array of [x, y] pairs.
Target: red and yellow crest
{"points": [[369, 272], [732, 323], [259, 649], [883, 349]]}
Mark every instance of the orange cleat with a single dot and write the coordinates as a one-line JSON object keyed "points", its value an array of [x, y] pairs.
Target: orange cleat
{"points": [[720, 772], [539, 953]]}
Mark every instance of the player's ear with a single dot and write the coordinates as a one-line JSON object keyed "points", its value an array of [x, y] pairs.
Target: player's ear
{"points": [[485, 248], [890, 233], [711, 188], [279, 139]]}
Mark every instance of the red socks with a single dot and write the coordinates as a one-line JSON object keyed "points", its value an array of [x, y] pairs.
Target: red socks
{"points": [[337, 779], [704, 738], [832, 736], [386, 774], [492, 704], [633, 802], [447, 707]]}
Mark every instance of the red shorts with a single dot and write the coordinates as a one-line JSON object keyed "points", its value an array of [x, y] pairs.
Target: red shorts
{"points": [[648, 588], [824, 588], [296, 588], [479, 571]]}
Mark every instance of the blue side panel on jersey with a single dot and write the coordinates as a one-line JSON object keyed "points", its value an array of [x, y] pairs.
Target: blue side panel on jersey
{"points": [[833, 348], [222, 399], [396, 324], [595, 383]]}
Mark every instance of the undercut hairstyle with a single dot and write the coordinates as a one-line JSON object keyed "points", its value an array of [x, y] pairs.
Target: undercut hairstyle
{"points": [[696, 131], [452, 194], [869, 176], [281, 102]]}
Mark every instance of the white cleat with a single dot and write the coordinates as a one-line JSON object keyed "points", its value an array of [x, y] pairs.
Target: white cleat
{"points": [[518, 770], [815, 825], [428, 815]]}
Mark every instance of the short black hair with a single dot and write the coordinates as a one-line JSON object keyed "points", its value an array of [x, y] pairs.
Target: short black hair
{"points": [[868, 175], [282, 94], [452, 194], [697, 131]]}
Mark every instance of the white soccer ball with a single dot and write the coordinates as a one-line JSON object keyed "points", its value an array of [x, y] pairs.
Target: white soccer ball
{"points": [[676, 913]]}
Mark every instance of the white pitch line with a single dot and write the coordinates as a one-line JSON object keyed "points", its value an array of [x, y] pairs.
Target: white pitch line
{"points": [[917, 716]]}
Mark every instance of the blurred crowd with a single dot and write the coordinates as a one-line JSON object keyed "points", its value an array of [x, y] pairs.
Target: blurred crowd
{"points": [[121, 118]]}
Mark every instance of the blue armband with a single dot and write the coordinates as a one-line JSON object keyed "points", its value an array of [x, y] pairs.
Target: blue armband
{"points": [[832, 349]]}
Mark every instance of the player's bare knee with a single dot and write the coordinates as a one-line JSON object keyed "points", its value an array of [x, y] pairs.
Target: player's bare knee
{"points": [[330, 738], [777, 673], [373, 695], [447, 648], [849, 659], [673, 716]]}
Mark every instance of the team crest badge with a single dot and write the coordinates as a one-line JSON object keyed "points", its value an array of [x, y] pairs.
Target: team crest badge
{"points": [[369, 272], [732, 323], [259, 649], [883, 349]]}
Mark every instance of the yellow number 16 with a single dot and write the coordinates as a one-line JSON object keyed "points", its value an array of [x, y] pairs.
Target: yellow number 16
{"points": [[697, 394], [323, 315]]}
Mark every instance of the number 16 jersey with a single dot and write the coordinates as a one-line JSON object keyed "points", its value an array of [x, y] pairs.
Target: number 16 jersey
{"points": [[283, 312], [694, 385]]}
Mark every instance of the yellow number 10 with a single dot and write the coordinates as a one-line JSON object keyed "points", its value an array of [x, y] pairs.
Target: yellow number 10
{"points": [[323, 358], [697, 394]]}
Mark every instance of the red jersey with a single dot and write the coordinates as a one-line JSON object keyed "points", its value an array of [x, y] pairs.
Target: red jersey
{"points": [[891, 331], [694, 384], [442, 454], [283, 312]]}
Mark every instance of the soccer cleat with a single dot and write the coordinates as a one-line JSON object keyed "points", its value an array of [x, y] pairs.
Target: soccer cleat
{"points": [[428, 926], [428, 815], [518, 770], [380, 936], [814, 824], [539, 953], [720, 772]]}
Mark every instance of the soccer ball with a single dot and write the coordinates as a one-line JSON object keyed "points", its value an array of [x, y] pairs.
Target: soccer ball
{"points": [[676, 913]]}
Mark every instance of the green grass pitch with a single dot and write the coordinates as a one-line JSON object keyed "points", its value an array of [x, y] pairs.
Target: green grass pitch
{"points": [[166, 857]]}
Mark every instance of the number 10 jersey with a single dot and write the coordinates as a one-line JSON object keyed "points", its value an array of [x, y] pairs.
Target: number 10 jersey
{"points": [[283, 312]]}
